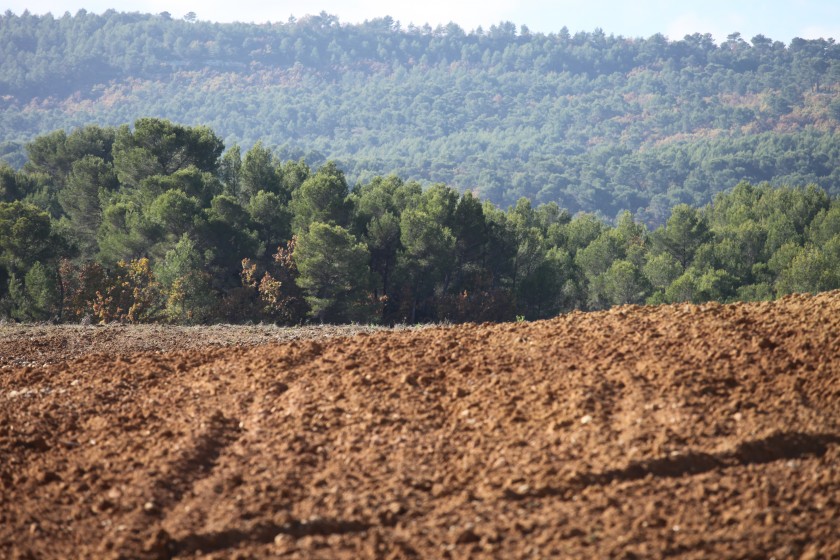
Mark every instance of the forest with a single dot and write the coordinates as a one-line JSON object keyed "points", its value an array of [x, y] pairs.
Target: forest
{"points": [[161, 222], [590, 121]]}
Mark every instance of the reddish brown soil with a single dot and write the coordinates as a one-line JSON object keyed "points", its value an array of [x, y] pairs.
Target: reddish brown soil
{"points": [[35, 345], [699, 432]]}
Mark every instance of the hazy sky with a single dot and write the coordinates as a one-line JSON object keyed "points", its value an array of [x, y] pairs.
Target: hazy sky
{"points": [[778, 19]]}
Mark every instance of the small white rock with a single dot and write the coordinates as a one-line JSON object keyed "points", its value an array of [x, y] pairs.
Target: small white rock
{"points": [[282, 540]]}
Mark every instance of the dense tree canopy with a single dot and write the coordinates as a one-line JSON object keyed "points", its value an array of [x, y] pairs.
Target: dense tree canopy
{"points": [[591, 121], [84, 235]]}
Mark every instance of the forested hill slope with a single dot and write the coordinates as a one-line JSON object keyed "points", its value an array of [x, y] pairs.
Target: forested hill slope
{"points": [[592, 121]]}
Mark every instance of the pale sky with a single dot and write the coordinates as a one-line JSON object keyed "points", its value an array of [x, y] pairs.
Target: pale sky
{"points": [[778, 19]]}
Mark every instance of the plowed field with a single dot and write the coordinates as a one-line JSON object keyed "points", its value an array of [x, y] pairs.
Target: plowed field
{"points": [[693, 431]]}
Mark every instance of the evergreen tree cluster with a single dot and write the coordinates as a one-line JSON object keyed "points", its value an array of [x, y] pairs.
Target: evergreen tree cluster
{"points": [[159, 222], [590, 121]]}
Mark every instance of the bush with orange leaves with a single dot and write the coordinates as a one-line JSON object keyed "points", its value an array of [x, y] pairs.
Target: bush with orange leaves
{"points": [[79, 285], [280, 298], [131, 294]]}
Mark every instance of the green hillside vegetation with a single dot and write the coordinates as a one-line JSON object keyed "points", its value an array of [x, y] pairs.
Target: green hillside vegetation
{"points": [[160, 222], [589, 121]]}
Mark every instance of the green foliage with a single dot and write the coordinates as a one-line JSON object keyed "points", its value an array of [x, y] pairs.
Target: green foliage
{"points": [[91, 180], [590, 121], [14, 303], [124, 233], [426, 259], [333, 271], [179, 262], [190, 299], [174, 212], [29, 251], [14, 185], [812, 269], [551, 287], [320, 198], [190, 181], [383, 239], [825, 225], [259, 173], [661, 270], [271, 218], [582, 230], [178, 242], [35, 297], [684, 288], [229, 235], [294, 174], [55, 153], [159, 147], [41, 292], [624, 283], [230, 171], [684, 233]]}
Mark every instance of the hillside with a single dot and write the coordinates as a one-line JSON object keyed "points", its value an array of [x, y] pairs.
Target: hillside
{"points": [[590, 121], [673, 431]]}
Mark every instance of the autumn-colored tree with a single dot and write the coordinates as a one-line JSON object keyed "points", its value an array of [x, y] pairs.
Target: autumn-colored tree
{"points": [[131, 294], [275, 291], [79, 286]]}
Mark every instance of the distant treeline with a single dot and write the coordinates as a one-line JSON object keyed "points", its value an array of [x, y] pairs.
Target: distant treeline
{"points": [[591, 121], [160, 223]]}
